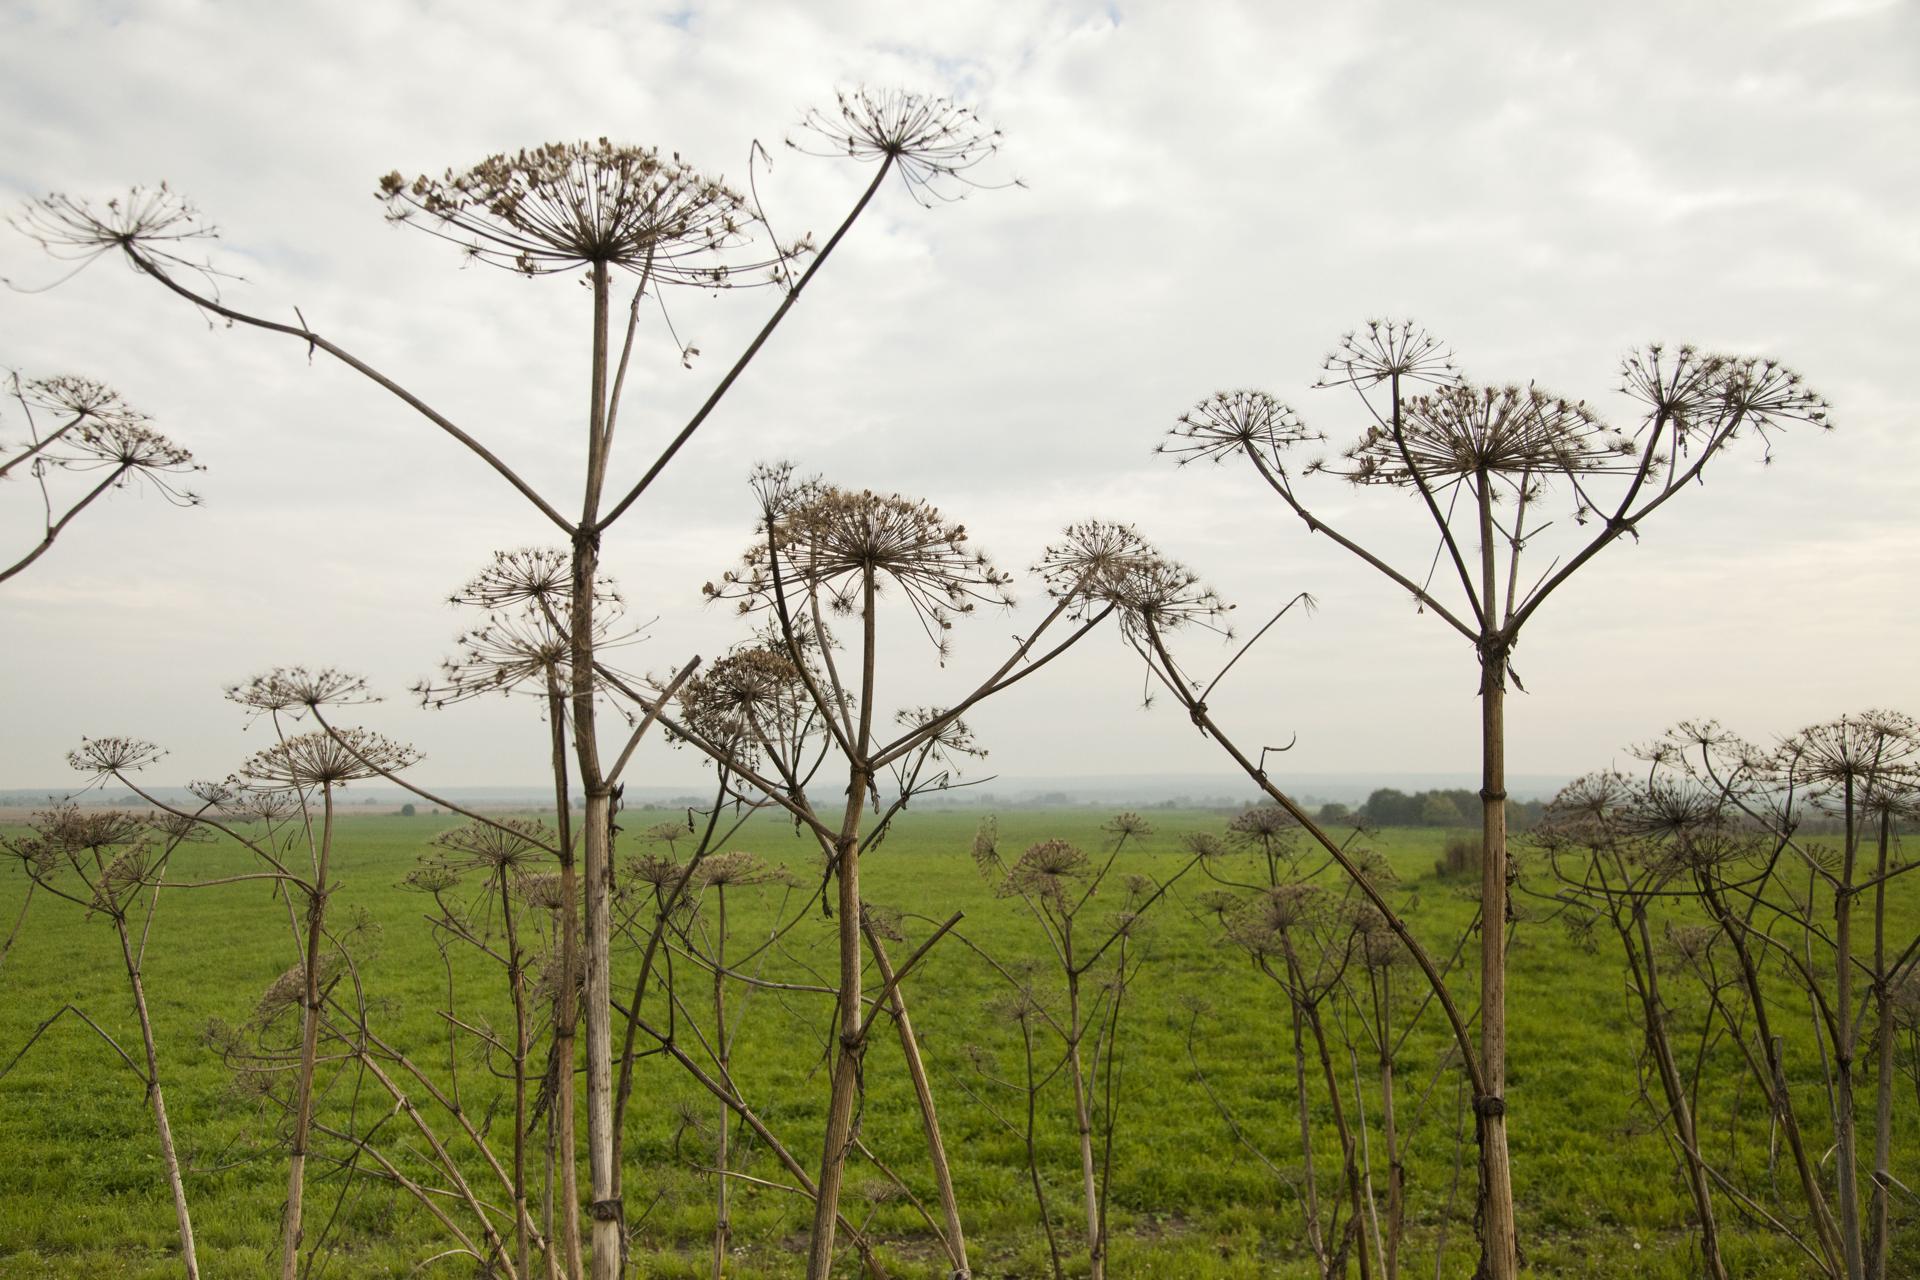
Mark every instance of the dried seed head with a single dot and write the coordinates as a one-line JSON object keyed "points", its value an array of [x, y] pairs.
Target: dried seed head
{"points": [[1128, 824], [1698, 399], [1047, 870], [431, 876], [506, 844], [1101, 565], [562, 206], [884, 921], [1872, 758], [1230, 422], [1384, 350], [751, 695], [1261, 922], [830, 541], [543, 889], [737, 869], [1203, 844], [148, 223], [326, 759], [1460, 431], [1691, 942], [178, 828], [950, 740], [986, 848], [104, 756], [526, 641], [932, 143], [255, 805], [299, 689]]}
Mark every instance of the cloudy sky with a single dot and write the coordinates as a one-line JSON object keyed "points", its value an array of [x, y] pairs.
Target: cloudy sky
{"points": [[1212, 194]]}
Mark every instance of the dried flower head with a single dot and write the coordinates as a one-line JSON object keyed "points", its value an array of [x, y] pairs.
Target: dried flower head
{"points": [[1203, 844], [1267, 827], [123, 876], [1230, 422], [885, 921], [831, 541], [751, 696], [326, 759], [1373, 866], [946, 739], [505, 844], [290, 988], [1872, 759], [1099, 565], [932, 143], [431, 876], [566, 205], [1128, 825], [526, 640], [93, 429], [660, 870], [1460, 431], [737, 869], [1691, 942], [1261, 923], [299, 689], [178, 828], [1699, 399], [1047, 870], [1388, 351], [251, 804], [148, 224], [986, 848], [105, 756], [543, 889]]}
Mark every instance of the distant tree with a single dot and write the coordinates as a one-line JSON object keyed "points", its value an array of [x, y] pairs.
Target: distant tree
{"points": [[407, 810], [1389, 807], [1334, 811], [1437, 809]]}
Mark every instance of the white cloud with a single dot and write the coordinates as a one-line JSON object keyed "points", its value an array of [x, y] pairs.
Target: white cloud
{"points": [[1213, 194]]}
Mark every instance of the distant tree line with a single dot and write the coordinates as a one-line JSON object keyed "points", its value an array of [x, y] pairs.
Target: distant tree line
{"points": [[1442, 807]]}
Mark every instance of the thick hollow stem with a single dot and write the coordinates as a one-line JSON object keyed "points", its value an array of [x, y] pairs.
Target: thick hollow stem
{"points": [[1498, 1244], [157, 1100], [309, 1050], [851, 1047], [929, 1117]]}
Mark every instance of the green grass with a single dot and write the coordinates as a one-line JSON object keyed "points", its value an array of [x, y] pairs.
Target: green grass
{"points": [[81, 1192]]}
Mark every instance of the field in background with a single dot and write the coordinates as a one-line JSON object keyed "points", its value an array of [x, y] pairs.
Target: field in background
{"points": [[81, 1193]]}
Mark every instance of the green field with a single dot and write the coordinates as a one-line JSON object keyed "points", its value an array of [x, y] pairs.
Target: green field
{"points": [[81, 1193]]}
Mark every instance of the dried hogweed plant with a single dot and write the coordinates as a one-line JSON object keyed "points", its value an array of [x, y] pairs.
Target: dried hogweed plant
{"points": [[113, 865], [1098, 959], [792, 702], [81, 428], [604, 210], [1485, 465], [1781, 850], [1334, 955]]}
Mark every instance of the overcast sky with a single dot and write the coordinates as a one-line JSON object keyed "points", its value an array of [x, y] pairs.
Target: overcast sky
{"points": [[1213, 193]]}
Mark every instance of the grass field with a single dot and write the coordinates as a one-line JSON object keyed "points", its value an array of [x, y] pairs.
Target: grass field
{"points": [[81, 1193]]}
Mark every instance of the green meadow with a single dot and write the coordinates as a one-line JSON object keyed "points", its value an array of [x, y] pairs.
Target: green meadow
{"points": [[81, 1194]]}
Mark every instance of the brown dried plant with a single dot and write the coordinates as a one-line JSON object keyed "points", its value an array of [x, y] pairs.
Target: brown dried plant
{"points": [[1781, 848], [772, 714], [1484, 463], [1098, 962], [76, 426], [598, 208], [113, 864]]}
